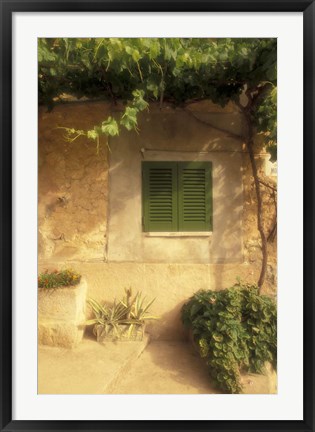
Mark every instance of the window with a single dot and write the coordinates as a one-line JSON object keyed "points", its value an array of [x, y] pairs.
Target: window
{"points": [[177, 196]]}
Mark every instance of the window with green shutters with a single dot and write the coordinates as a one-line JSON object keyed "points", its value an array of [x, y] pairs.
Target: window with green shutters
{"points": [[177, 196]]}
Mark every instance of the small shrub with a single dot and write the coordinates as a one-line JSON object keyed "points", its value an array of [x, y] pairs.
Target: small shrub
{"points": [[124, 318], [236, 331], [58, 278]]}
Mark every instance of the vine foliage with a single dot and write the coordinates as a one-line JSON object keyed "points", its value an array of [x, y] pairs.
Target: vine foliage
{"points": [[177, 70], [235, 330]]}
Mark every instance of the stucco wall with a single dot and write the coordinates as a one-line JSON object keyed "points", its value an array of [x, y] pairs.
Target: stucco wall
{"points": [[89, 211], [175, 135]]}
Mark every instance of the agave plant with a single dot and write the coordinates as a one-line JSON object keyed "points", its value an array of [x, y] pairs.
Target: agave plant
{"points": [[107, 319], [128, 314], [139, 313]]}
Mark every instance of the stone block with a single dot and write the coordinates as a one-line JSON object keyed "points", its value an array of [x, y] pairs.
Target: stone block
{"points": [[60, 334], [64, 303], [61, 315]]}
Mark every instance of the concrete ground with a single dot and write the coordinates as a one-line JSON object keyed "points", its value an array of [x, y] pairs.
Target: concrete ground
{"points": [[122, 368], [91, 368], [166, 367]]}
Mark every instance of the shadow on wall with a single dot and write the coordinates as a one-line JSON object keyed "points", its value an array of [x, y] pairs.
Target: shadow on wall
{"points": [[169, 326], [228, 208]]}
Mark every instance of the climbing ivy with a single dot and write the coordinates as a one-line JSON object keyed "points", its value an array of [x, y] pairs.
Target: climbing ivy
{"points": [[178, 70], [235, 330]]}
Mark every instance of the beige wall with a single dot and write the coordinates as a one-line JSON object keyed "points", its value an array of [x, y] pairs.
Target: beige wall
{"points": [[170, 284], [89, 216], [175, 135]]}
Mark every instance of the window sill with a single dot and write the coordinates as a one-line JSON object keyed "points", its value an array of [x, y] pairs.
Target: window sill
{"points": [[179, 234]]}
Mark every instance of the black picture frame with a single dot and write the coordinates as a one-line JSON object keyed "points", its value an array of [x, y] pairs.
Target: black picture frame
{"points": [[7, 9]]}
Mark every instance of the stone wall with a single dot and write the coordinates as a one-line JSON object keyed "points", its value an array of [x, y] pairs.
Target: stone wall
{"points": [[72, 185], [251, 236], [84, 197]]}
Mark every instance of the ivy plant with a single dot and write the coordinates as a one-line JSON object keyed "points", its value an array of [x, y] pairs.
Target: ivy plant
{"points": [[235, 330]]}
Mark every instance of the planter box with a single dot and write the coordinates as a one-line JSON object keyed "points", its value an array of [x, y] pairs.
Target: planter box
{"points": [[137, 335], [61, 315]]}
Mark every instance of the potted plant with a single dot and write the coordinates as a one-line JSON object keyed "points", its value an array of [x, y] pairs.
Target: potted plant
{"points": [[124, 320], [61, 308]]}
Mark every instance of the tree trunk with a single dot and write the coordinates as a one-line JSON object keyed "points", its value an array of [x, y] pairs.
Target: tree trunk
{"points": [[250, 143]]}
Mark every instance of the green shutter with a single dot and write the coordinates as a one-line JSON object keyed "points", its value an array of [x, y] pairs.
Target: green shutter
{"points": [[160, 201], [194, 196]]}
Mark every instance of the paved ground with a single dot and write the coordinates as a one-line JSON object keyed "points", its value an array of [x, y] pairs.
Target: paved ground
{"points": [[91, 368], [120, 368], [176, 368], [166, 368], [132, 368]]}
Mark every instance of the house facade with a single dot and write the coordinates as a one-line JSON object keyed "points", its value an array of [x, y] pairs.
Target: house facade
{"points": [[167, 210]]}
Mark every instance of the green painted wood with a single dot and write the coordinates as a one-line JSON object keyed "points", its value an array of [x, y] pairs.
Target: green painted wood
{"points": [[160, 196], [194, 196], [177, 196]]}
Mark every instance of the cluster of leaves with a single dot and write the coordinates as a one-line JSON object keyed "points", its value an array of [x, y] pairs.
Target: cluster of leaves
{"points": [[110, 126], [123, 318], [139, 70], [58, 278], [265, 117], [235, 329]]}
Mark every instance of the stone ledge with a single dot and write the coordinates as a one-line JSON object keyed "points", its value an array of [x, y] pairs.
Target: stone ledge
{"points": [[179, 234]]}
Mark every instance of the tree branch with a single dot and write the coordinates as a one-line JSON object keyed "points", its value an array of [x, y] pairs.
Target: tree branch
{"points": [[250, 143], [268, 185], [231, 134]]}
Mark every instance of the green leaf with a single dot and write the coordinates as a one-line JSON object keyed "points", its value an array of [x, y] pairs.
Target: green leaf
{"points": [[139, 103], [153, 88], [92, 134], [91, 321], [217, 337], [136, 55], [272, 149], [254, 307], [129, 119], [110, 127]]}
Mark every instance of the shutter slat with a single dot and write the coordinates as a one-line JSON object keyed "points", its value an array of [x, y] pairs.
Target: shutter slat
{"points": [[195, 202], [160, 196]]}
